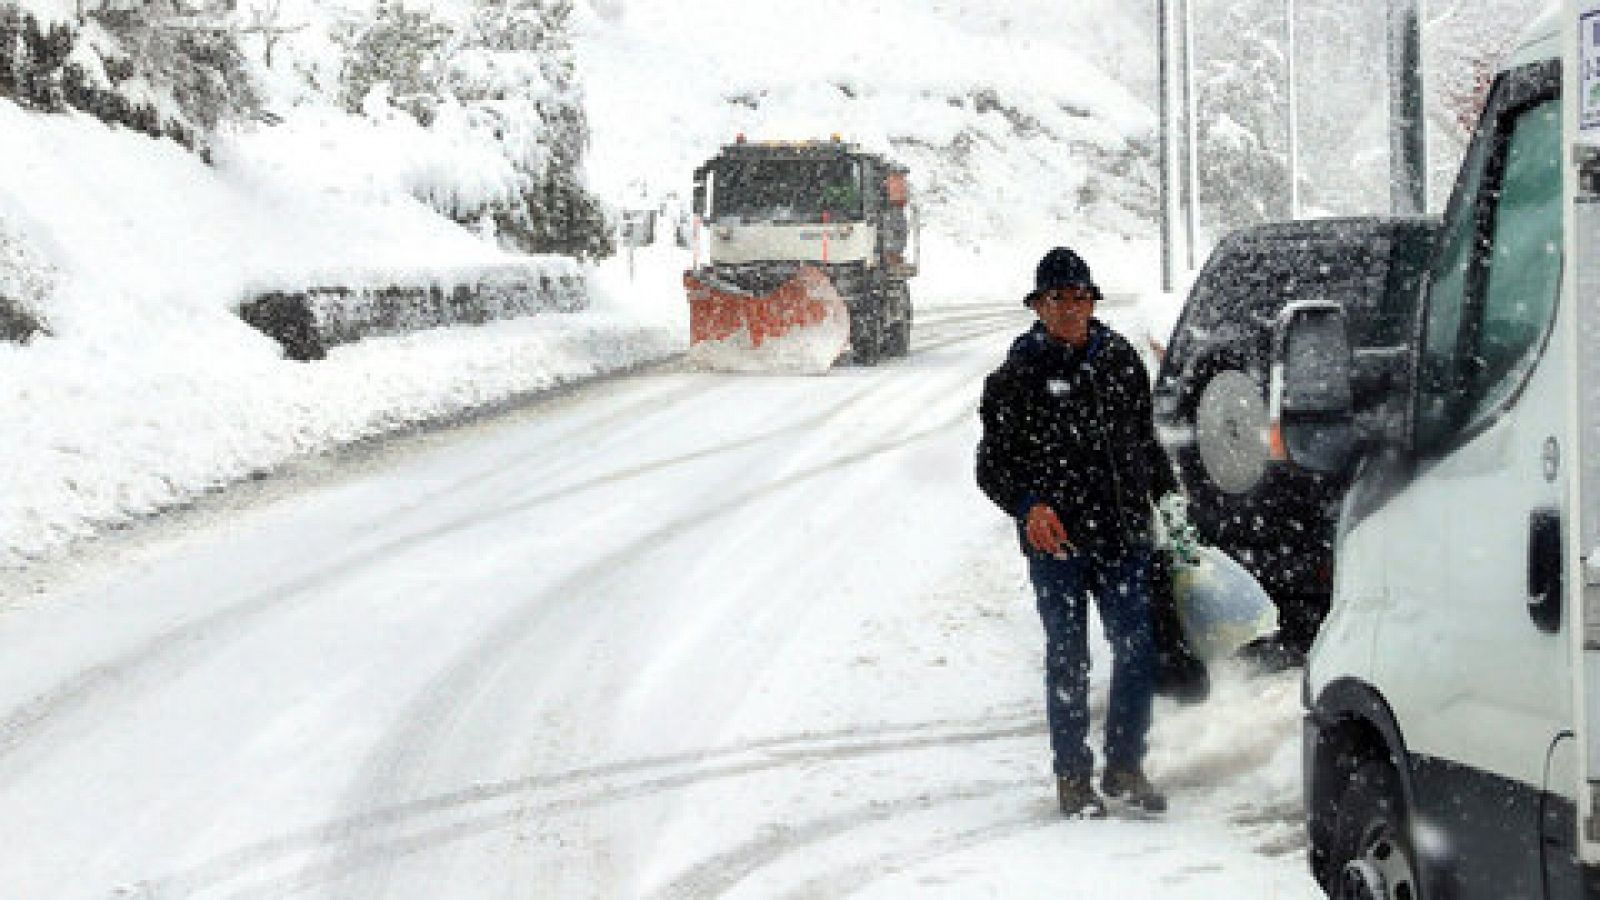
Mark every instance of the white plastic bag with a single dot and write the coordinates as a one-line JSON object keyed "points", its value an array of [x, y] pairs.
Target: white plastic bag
{"points": [[1221, 607]]}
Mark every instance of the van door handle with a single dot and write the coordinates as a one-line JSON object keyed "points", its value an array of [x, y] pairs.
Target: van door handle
{"points": [[1544, 569]]}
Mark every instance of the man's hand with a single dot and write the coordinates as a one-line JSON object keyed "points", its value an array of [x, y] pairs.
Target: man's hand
{"points": [[1045, 531]]}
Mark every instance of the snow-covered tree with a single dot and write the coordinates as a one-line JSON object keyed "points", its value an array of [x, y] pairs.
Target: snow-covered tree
{"points": [[504, 76], [1240, 71], [1343, 97], [1465, 41], [516, 69], [1341, 65], [166, 67], [400, 47], [27, 282]]}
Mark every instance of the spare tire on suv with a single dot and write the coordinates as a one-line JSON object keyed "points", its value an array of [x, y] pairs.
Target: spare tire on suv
{"points": [[1211, 393]]}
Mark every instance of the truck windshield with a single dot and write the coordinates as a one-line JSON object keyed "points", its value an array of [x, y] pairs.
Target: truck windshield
{"points": [[787, 190]]}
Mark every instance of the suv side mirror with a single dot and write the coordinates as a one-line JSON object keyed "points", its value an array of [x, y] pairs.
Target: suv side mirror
{"points": [[1312, 401]]}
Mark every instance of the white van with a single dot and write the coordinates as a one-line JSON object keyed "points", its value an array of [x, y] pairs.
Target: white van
{"points": [[1452, 736]]}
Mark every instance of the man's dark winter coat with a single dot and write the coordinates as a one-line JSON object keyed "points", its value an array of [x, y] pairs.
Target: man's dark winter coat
{"points": [[1073, 429]]}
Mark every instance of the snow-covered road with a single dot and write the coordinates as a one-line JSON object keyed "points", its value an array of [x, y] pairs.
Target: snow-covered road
{"points": [[672, 635]]}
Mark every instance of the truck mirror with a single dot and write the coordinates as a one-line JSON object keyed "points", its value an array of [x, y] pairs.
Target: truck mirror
{"points": [[897, 190], [1312, 397], [702, 177]]}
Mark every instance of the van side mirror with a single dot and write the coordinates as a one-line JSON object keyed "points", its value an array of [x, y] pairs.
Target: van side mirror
{"points": [[1312, 402]]}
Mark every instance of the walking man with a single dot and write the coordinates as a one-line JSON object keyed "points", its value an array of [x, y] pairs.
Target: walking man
{"points": [[1069, 451]]}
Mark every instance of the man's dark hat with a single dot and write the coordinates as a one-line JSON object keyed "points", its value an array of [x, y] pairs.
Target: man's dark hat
{"points": [[1061, 268]]}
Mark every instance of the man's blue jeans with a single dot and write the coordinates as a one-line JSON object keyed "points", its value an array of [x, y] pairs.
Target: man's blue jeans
{"points": [[1121, 588]]}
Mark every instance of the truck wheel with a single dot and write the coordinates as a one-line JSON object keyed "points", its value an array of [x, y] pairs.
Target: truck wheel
{"points": [[899, 339], [899, 332], [866, 340], [1372, 858]]}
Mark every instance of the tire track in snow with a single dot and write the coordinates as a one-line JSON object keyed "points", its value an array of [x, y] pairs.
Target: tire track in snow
{"points": [[849, 879], [17, 724], [111, 544], [368, 840], [173, 651], [721, 873], [444, 700], [168, 653], [940, 332]]}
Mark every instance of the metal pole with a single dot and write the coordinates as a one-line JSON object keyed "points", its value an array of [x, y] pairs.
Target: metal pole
{"points": [[1294, 118], [1166, 128], [1191, 191], [1408, 147]]}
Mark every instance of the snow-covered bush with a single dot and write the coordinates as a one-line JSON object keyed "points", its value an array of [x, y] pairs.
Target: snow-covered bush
{"points": [[307, 321], [502, 78], [27, 282]]}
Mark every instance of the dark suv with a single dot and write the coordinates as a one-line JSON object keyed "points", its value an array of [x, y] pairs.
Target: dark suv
{"points": [[1211, 402]]}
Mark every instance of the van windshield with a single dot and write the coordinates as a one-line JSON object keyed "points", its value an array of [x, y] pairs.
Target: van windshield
{"points": [[787, 190]]}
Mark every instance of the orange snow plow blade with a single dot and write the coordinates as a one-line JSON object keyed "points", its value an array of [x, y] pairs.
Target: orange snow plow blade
{"points": [[803, 325]]}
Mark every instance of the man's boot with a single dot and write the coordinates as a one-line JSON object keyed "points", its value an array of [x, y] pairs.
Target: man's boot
{"points": [[1130, 786], [1078, 798]]}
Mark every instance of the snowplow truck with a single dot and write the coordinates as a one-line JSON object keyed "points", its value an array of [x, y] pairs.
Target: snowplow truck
{"points": [[808, 247]]}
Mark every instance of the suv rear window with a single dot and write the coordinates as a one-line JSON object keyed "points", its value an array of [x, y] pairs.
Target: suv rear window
{"points": [[1252, 277]]}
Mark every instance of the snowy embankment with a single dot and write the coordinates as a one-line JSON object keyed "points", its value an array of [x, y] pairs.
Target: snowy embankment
{"points": [[149, 390]]}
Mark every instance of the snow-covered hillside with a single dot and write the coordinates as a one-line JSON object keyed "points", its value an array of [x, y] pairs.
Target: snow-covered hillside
{"points": [[1016, 138], [149, 391]]}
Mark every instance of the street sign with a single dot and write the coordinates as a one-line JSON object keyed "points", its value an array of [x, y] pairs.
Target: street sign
{"points": [[1588, 15]]}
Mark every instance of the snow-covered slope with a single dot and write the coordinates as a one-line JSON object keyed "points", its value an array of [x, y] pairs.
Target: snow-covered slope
{"points": [[149, 390]]}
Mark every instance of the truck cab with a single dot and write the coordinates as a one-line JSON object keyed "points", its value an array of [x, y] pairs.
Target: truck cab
{"points": [[1450, 730], [763, 209]]}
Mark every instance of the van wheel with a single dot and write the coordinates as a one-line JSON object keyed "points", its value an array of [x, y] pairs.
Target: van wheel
{"points": [[1372, 858]]}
